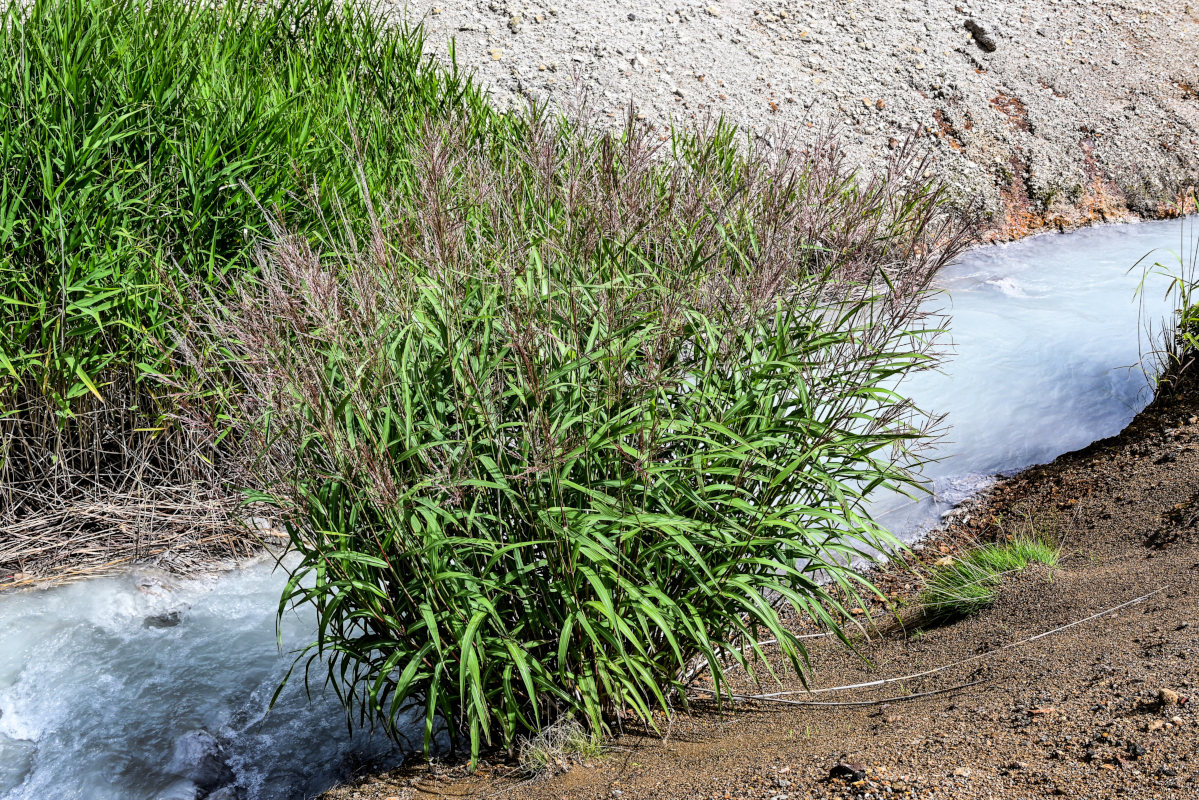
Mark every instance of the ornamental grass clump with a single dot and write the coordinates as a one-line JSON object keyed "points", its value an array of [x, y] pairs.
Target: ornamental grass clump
{"points": [[580, 412]]}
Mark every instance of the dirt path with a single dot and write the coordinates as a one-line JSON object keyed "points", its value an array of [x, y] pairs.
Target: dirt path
{"points": [[1050, 112], [1079, 713]]}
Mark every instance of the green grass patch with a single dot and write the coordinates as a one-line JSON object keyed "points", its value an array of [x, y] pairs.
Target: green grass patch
{"points": [[970, 582], [140, 146]]}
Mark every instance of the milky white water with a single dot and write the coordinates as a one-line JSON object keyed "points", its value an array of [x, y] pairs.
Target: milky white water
{"points": [[123, 688], [1047, 339]]}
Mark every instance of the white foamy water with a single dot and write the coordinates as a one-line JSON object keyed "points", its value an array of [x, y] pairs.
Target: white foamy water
{"points": [[134, 688], [143, 687]]}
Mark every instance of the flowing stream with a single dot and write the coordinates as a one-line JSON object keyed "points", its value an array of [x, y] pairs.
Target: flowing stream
{"points": [[141, 687]]}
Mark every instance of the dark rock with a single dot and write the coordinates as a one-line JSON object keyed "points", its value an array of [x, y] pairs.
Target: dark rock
{"points": [[168, 619], [981, 35], [1136, 750], [848, 772], [199, 757]]}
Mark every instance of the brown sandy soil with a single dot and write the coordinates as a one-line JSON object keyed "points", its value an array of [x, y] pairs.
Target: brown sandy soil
{"points": [[1104, 708]]}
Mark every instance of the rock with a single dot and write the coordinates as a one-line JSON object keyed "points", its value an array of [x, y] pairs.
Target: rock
{"points": [[1136, 750], [1167, 772], [981, 35], [199, 757], [167, 619], [1154, 725], [848, 772], [962, 772], [1176, 722], [1168, 697]]}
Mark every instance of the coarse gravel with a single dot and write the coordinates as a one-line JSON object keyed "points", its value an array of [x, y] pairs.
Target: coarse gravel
{"points": [[1048, 113]]}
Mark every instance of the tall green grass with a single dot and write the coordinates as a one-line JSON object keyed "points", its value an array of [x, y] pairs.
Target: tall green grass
{"points": [[144, 139], [579, 411]]}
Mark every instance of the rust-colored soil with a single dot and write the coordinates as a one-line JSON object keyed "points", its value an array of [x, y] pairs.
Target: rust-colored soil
{"points": [[1104, 708]]}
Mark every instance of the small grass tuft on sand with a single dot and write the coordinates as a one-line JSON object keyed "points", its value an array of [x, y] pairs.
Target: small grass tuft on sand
{"points": [[969, 582], [558, 747]]}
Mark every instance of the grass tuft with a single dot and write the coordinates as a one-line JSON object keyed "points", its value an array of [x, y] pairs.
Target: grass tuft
{"points": [[556, 748], [970, 581]]}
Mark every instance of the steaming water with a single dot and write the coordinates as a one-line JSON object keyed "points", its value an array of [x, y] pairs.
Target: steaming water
{"points": [[96, 696]]}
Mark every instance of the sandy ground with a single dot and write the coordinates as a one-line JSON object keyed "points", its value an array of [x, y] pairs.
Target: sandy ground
{"points": [[1048, 113], [1104, 708]]}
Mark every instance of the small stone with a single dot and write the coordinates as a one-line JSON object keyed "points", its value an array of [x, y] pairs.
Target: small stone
{"points": [[982, 37], [632, 17], [1167, 697], [848, 772], [880, 104], [496, 54], [1154, 725], [962, 772], [1136, 750], [1167, 772], [1176, 722], [1017, 765]]}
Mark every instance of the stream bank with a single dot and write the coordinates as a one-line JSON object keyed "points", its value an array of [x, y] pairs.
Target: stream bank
{"points": [[1104, 708]]}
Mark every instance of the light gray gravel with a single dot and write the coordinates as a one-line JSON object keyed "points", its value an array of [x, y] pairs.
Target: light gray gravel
{"points": [[1079, 110]]}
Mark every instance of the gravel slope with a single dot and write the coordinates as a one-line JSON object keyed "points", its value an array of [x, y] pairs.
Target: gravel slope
{"points": [[1051, 113]]}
